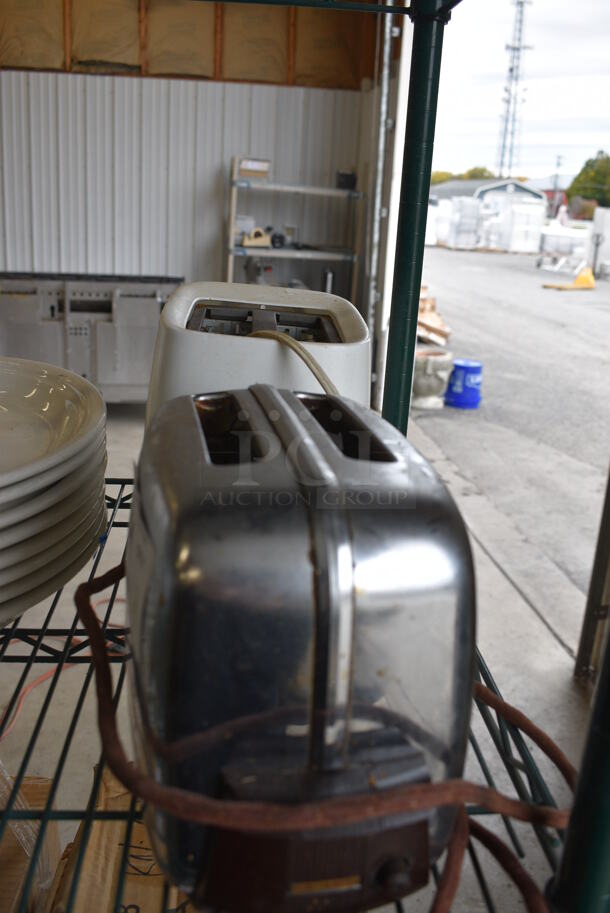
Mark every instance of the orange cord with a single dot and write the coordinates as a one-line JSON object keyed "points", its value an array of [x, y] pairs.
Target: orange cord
{"points": [[50, 673]]}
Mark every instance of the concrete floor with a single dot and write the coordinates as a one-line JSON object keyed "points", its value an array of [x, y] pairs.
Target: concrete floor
{"points": [[527, 471]]}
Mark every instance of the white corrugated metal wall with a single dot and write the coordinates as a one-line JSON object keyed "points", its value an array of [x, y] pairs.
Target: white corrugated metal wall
{"points": [[105, 174]]}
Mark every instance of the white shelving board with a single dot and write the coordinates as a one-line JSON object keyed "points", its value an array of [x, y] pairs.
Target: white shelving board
{"points": [[289, 253], [302, 189]]}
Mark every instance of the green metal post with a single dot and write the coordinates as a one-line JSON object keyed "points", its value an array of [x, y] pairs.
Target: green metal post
{"points": [[429, 18], [598, 597], [582, 882]]}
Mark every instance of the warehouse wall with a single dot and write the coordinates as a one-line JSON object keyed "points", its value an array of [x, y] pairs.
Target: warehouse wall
{"points": [[105, 174]]}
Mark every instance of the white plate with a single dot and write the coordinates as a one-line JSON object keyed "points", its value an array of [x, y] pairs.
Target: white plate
{"points": [[33, 525], [17, 493], [47, 414], [38, 577], [14, 607], [67, 544], [41, 501], [48, 537]]}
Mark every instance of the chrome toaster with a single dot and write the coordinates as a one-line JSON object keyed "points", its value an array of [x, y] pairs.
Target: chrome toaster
{"points": [[297, 575]]}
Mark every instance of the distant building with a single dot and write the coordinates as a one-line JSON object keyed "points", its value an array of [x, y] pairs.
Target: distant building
{"points": [[480, 188], [548, 188]]}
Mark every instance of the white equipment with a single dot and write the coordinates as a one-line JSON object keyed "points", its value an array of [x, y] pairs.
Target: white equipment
{"points": [[102, 327], [205, 342]]}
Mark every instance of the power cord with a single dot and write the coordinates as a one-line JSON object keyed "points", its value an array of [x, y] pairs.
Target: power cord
{"points": [[314, 366], [41, 679]]}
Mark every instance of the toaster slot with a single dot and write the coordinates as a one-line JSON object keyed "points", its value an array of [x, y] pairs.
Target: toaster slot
{"points": [[228, 435], [307, 327], [230, 319], [346, 431]]}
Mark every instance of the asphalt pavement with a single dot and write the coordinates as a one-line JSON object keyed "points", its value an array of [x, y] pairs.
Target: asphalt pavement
{"points": [[532, 461]]}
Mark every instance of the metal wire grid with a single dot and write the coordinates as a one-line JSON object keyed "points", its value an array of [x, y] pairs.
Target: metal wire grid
{"points": [[29, 647]]}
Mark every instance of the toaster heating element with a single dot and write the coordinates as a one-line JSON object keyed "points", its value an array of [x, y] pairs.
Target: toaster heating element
{"points": [[301, 602], [205, 341]]}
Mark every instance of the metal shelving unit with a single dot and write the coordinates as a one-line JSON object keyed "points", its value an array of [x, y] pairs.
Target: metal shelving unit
{"points": [[497, 749], [322, 254]]}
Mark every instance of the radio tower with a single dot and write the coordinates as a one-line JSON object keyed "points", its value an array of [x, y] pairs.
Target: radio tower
{"points": [[512, 99]]}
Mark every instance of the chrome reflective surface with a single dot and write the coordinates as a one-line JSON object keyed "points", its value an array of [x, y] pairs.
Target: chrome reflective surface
{"points": [[294, 561]]}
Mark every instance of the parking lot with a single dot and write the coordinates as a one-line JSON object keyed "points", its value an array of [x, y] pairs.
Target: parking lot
{"points": [[537, 450]]}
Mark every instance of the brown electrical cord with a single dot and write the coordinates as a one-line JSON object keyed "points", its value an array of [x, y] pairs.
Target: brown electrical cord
{"points": [[517, 718], [534, 900], [329, 813], [452, 871]]}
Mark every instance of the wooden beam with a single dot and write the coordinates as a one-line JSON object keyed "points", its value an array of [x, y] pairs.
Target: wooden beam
{"points": [[143, 60], [292, 17], [67, 35], [217, 40]]}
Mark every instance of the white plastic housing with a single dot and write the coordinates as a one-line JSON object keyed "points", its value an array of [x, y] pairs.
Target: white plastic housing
{"points": [[188, 361]]}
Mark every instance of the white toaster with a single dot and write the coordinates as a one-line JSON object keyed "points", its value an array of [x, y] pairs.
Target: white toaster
{"points": [[204, 342]]}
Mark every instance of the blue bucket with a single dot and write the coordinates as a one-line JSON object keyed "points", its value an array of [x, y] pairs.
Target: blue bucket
{"points": [[464, 389]]}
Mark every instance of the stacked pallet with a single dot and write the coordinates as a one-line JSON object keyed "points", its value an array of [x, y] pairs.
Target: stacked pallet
{"points": [[433, 363], [431, 327]]}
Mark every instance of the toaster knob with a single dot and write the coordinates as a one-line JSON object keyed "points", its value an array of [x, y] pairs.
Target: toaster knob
{"points": [[394, 876]]}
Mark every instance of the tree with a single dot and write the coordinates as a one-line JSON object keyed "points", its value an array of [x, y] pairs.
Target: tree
{"points": [[593, 180], [473, 174], [438, 177], [477, 173]]}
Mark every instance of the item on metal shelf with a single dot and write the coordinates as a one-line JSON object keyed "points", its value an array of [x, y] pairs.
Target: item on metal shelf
{"points": [[433, 367], [346, 180], [464, 389], [322, 816], [278, 239], [204, 341], [328, 278], [258, 237], [249, 167], [301, 601], [52, 462], [244, 225], [255, 270], [291, 234]]}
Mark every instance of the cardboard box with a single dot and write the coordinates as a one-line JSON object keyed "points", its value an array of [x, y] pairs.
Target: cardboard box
{"points": [[99, 875], [14, 861]]}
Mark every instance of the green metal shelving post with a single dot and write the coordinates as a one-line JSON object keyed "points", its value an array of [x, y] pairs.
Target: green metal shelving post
{"points": [[598, 598], [582, 882], [429, 20]]}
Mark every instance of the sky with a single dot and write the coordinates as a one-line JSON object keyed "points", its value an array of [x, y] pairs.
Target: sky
{"points": [[566, 78]]}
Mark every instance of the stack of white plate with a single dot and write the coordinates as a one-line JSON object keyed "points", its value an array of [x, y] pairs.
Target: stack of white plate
{"points": [[52, 462]]}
